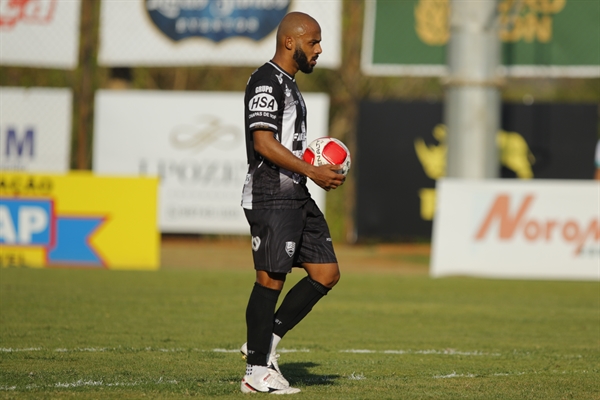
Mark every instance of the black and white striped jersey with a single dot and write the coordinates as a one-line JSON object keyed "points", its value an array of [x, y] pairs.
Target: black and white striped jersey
{"points": [[274, 103]]}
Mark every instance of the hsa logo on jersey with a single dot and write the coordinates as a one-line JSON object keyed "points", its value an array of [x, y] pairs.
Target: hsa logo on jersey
{"points": [[33, 223], [217, 19], [263, 102]]}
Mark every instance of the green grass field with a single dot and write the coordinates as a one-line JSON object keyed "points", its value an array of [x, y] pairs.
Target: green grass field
{"points": [[175, 333]]}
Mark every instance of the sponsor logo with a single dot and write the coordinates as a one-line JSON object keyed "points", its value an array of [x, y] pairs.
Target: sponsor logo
{"points": [[16, 149], [263, 102], [300, 136], [217, 19], [64, 239], [207, 131], [33, 12], [26, 222], [204, 172], [255, 243], [511, 225], [263, 89], [31, 186], [280, 78], [290, 248], [515, 155], [255, 114], [526, 21], [291, 103]]}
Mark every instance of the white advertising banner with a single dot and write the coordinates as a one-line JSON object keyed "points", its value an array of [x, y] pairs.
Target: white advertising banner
{"points": [[194, 142], [534, 229], [207, 32], [35, 129], [40, 33]]}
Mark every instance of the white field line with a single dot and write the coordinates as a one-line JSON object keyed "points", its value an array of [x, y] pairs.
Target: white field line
{"points": [[83, 349], [508, 373], [89, 383], [435, 352], [11, 350], [293, 350], [454, 375], [469, 375], [358, 351], [220, 350], [149, 349], [356, 377], [160, 381], [279, 350]]}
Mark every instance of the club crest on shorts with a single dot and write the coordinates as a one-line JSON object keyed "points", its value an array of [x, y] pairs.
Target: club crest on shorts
{"points": [[290, 248], [255, 243]]}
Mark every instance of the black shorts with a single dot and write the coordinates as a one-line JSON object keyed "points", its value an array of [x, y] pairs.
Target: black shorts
{"points": [[286, 238]]}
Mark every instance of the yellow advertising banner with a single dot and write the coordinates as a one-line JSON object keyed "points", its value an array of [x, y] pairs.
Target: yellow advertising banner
{"points": [[78, 220]]}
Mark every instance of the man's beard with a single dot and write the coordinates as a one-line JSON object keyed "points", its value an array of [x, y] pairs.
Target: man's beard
{"points": [[302, 61]]}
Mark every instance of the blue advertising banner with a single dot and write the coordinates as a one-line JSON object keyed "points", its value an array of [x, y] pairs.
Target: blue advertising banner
{"points": [[216, 19]]}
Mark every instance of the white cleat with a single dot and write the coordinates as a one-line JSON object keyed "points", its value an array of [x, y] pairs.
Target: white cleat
{"points": [[273, 365], [269, 383]]}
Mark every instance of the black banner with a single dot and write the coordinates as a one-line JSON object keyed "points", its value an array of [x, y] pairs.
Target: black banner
{"points": [[401, 152]]}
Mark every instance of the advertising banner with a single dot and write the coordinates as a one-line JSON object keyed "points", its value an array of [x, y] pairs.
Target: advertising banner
{"points": [[35, 129], [539, 37], [78, 220], [40, 33], [408, 141], [517, 229], [194, 142], [207, 32]]}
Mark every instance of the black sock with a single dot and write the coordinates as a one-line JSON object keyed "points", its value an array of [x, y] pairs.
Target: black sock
{"points": [[259, 323], [297, 304]]}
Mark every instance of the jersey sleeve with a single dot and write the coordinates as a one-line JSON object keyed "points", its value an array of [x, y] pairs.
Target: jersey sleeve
{"points": [[264, 104]]}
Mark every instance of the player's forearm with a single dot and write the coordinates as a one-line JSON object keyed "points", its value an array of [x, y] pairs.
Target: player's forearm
{"points": [[276, 153]]}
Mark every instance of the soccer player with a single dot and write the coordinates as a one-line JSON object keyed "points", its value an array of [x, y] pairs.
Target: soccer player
{"points": [[288, 229]]}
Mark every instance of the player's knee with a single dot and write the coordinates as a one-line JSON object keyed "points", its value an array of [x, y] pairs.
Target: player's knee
{"points": [[327, 275], [335, 279], [270, 280], [330, 280]]}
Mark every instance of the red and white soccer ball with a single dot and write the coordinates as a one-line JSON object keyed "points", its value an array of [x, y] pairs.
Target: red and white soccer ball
{"points": [[328, 150]]}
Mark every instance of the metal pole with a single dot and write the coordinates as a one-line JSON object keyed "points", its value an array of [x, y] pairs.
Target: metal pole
{"points": [[472, 109]]}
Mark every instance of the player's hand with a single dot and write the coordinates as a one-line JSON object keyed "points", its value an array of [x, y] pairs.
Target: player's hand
{"points": [[328, 176]]}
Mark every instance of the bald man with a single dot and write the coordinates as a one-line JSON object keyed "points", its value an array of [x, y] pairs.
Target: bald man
{"points": [[288, 229]]}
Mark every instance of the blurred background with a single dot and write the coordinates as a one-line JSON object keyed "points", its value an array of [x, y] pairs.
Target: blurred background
{"points": [[153, 90]]}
